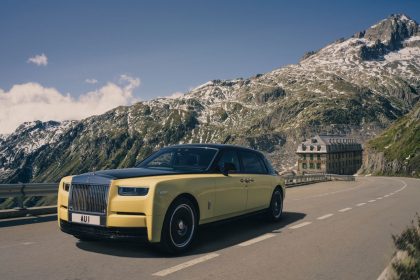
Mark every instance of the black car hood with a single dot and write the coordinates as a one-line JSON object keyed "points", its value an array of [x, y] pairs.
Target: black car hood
{"points": [[105, 176], [133, 172]]}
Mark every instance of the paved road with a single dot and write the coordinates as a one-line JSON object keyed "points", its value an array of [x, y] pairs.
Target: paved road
{"points": [[332, 230]]}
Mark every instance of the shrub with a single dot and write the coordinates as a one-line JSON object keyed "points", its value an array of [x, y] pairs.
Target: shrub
{"points": [[408, 241]]}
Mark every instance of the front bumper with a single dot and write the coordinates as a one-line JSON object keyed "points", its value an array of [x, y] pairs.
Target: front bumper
{"points": [[76, 229]]}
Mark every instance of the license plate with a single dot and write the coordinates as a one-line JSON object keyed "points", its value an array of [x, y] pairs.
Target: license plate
{"points": [[85, 219]]}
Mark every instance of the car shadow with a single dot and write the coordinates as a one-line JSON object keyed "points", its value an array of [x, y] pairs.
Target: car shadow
{"points": [[210, 238]]}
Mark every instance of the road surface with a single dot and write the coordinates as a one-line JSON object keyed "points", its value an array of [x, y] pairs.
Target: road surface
{"points": [[330, 230]]}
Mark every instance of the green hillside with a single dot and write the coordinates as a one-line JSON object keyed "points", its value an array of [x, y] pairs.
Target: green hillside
{"points": [[399, 146]]}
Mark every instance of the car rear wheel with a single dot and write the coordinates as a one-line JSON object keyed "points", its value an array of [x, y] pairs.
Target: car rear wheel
{"points": [[180, 226], [276, 206]]}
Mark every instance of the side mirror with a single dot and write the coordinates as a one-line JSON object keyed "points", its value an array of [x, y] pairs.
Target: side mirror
{"points": [[226, 167]]}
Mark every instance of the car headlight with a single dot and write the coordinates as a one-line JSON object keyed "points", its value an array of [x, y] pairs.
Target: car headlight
{"points": [[133, 191]]}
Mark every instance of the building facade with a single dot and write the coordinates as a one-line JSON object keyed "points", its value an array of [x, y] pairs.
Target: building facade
{"points": [[329, 154]]}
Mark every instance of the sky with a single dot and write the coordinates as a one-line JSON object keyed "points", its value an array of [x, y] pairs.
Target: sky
{"points": [[71, 59]]}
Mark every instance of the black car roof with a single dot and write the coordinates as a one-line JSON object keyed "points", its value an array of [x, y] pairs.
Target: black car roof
{"points": [[217, 146]]}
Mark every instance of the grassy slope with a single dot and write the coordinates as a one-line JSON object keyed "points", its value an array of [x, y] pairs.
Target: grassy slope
{"points": [[401, 142]]}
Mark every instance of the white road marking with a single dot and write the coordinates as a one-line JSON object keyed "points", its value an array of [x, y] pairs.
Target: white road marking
{"points": [[379, 198], [324, 217], [344, 209], [361, 204], [387, 195], [256, 239], [300, 225], [185, 265], [373, 200], [404, 185]]}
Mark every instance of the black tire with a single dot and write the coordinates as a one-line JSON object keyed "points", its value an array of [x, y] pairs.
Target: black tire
{"points": [[275, 211], [179, 227]]}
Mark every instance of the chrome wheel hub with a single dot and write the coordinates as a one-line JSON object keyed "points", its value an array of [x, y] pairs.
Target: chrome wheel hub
{"points": [[181, 224], [182, 228]]}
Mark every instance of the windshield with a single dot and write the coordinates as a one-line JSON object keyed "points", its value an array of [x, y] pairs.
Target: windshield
{"points": [[181, 159]]}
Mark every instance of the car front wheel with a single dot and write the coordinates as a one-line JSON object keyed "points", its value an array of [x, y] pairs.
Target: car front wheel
{"points": [[180, 226]]}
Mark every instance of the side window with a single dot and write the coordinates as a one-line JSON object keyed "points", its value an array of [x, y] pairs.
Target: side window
{"points": [[229, 156], [252, 163]]}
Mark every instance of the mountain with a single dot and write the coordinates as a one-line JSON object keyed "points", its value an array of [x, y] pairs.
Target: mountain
{"points": [[397, 150], [20, 149], [357, 86]]}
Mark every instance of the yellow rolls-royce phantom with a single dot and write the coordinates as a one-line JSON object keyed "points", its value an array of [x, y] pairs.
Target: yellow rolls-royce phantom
{"points": [[169, 194]]}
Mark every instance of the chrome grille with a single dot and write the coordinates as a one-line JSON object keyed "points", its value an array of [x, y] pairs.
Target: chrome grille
{"points": [[88, 198]]}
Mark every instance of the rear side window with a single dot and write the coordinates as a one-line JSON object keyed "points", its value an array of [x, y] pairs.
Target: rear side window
{"points": [[231, 157], [268, 165], [252, 163]]}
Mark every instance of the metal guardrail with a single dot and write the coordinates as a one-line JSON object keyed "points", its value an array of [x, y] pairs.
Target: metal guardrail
{"points": [[342, 177], [291, 180], [23, 190]]}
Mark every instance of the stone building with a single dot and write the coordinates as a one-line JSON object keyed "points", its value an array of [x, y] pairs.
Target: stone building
{"points": [[329, 154]]}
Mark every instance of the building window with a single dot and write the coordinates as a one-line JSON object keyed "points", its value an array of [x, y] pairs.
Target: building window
{"points": [[318, 166], [311, 166], [318, 148], [318, 157], [304, 166], [311, 156], [304, 156]]}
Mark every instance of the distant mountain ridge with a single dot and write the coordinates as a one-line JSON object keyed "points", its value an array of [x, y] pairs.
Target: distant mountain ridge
{"points": [[357, 86]]}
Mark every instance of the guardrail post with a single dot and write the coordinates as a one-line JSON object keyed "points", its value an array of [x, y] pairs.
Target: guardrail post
{"points": [[21, 198]]}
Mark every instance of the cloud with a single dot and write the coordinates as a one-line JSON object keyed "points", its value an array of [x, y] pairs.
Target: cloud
{"points": [[39, 59], [175, 95], [91, 81], [32, 101], [130, 82]]}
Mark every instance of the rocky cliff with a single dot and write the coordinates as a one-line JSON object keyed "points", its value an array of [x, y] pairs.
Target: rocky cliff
{"points": [[397, 150]]}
